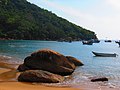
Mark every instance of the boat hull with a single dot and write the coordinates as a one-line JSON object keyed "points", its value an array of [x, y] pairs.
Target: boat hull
{"points": [[104, 54]]}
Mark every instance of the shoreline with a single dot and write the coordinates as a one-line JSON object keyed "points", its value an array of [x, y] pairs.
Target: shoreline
{"points": [[8, 81], [9, 74]]}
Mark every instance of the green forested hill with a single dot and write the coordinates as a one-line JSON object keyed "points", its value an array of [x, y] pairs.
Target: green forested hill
{"points": [[20, 19]]}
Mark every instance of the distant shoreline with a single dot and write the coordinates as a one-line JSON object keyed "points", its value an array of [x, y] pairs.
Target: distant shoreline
{"points": [[6, 39]]}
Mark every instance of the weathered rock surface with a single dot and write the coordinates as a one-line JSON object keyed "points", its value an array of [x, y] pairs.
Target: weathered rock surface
{"points": [[39, 76], [48, 60], [75, 61], [22, 67], [97, 79]]}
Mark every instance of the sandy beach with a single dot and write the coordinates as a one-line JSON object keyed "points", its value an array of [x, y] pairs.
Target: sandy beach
{"points": [[8, 82], [26, 86]]}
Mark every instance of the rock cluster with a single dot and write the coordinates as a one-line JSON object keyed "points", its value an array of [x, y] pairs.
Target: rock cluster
{"points": [[47, 66]]}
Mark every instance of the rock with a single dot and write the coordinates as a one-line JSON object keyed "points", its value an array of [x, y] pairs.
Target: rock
{"points": [[39, 76], [22, 67], [75, 61], [53, 57], [96, 79], [49, 60]]}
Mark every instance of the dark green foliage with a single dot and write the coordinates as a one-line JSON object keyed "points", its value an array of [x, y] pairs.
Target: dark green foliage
{"points": [[20, 19]]}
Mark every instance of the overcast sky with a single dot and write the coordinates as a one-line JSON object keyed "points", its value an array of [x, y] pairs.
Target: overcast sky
{"points": [[100, 16]]}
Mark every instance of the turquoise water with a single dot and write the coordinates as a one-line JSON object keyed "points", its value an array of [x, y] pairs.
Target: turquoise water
{"points": [[93, 66]]}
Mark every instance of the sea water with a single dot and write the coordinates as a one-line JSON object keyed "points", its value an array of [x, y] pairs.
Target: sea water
{"points": [[93, 66]]}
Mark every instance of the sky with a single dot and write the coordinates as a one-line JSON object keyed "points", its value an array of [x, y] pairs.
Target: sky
{"points": [[100, 16]]}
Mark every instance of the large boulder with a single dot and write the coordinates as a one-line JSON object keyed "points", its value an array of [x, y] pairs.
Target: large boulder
{"points": [[48, 60], [75, 61], [39, 76]]}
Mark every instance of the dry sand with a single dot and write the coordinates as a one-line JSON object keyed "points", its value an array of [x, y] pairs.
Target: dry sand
{"points": [[26, 86]]}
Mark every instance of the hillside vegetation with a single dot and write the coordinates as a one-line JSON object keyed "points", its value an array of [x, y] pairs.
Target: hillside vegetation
{"points": [[20, 19]]}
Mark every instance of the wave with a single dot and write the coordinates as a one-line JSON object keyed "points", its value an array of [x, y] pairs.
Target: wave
{"points": [[10, 60], [19, 46], [9, 66]]}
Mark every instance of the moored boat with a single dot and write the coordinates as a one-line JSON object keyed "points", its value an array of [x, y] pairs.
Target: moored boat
{"points": [[108, 41], [104, 54], [87, 42], [118, 42], [95, 40]]}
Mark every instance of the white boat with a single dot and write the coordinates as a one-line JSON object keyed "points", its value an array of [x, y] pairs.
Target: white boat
{"points": [[104, 54]]}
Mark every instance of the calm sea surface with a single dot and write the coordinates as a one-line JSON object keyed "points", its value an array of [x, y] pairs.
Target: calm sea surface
{"points": [[93, 66]]}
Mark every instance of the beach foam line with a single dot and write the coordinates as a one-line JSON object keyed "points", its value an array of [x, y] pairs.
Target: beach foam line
{"points": [[10, 60], [7, 64]]}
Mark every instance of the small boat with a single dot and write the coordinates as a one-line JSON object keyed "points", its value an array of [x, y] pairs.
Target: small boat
{"points": [[118, 42], [70, 41], [104, 54], [87, 42], [96, 40], [108, 41]]}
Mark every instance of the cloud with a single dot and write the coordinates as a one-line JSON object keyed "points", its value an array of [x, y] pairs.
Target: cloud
{"points": [[114, 3], [68, 11]]}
